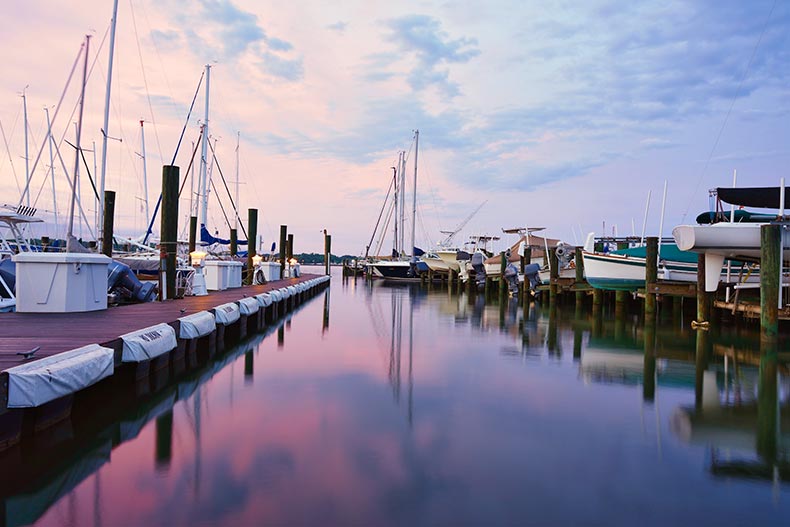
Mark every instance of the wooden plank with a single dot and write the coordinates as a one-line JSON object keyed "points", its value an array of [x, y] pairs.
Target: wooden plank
{"points": [[59, 332], [684, 289]]}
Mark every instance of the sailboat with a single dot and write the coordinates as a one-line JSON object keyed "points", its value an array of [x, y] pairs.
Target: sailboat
{"points": [[400, 268]]}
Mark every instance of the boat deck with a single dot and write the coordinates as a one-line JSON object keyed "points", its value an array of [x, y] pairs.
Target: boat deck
{"points": [[59, 332]]}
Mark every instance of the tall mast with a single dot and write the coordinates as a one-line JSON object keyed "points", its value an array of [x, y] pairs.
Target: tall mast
{"points": [[414, 190], [397, 220], [105, 130], [192, 185], [236, 205], [402, 169], [27, 157], [52, 170], [145, 171], [71, 242], [203, 186]]}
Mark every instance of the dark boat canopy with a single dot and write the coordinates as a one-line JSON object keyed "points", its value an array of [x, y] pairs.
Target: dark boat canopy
{"points": [[761, 197]]}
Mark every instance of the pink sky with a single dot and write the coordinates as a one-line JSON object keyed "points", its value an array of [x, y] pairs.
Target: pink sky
{"points": [[559, 115]]}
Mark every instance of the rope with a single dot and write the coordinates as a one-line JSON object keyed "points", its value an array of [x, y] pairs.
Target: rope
{"points": [[235, 208]]}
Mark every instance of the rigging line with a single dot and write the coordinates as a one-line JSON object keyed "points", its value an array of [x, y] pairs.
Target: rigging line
{"points": [[145, 82], [383, 205], [220, 204], [235, 208], [55, 115], [729, 111], [71, 117], [191, 161], [10, 160], [87, 169], [178, 146]]}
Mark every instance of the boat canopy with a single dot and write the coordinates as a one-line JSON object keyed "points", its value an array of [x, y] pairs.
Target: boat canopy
{"points": [[761, 197], [207, 238]]}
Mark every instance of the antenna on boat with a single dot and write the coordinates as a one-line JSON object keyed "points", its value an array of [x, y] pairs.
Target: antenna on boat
{"points": [[661, 222], [644, 222]]}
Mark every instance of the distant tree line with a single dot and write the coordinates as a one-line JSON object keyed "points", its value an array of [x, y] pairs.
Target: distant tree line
{"points": [[318, 258]]}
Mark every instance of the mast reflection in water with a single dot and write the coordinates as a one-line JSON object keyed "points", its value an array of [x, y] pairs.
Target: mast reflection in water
{"points": [[417, 407]]}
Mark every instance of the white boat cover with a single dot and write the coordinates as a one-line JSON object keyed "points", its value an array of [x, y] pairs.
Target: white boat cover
{"points": [[248, 306], [264, 299], [277, 295], [227, 313], [35, 383], [291, 289], [148, 343], [284, 292], [197, 325]]}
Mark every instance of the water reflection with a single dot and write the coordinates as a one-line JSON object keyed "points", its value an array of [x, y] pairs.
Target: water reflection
{"points": [[421, 407]]}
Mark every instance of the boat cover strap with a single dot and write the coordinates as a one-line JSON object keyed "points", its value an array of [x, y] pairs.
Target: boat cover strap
{"points": [[35, 383]]}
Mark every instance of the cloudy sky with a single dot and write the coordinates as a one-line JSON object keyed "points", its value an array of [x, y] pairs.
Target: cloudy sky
{"points": [[559, 114]]}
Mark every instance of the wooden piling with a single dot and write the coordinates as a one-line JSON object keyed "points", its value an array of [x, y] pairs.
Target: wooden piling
{"points": [[554, 274], [283, 238], [192, 233], [169, 229], [527, 255], [649, 369], [651, 277], [290, 246], [703, 300], [770, 260], [579, 260], [502, 282], [108, 223], [252, 242], [234, 242], [328, 251]]}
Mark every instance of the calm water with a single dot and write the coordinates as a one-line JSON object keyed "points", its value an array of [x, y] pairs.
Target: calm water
{"points": [[395, 405]]}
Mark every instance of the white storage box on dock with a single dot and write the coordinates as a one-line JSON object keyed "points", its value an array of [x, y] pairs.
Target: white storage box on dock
{"points": [[60, 282], [216, 272], [234, 274], [271, 271]]}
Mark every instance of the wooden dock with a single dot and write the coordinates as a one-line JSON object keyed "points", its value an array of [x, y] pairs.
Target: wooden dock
{"points": [[56, 334]]}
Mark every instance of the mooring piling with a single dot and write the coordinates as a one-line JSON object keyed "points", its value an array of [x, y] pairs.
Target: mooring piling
{"points": [[192, 233], [328, 252], [108, 221], [770, 261], [252, 242], [651, 277], [169, 230], [283, 238]]}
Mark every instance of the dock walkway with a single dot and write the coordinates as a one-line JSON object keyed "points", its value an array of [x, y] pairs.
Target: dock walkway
{"points": [[59, 332]]}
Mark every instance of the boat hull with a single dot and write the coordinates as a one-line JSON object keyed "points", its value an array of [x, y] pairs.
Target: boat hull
{"points": [[391, 270]]}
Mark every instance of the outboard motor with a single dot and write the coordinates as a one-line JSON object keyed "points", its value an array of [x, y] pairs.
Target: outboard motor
{"points": [[479, 267], [531, 276], [462, 257], [565, 253], [511, 276], [121, 278]]}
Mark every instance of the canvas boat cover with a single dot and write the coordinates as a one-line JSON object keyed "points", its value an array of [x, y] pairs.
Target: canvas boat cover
{"points": [[264, 299], [760, 197], [35, 383], [248, 306], [536, 243], [227, 313], [148, 343], [196, 325]]}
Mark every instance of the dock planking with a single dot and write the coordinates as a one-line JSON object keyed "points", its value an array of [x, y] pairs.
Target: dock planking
{"points": [[59, 332]]}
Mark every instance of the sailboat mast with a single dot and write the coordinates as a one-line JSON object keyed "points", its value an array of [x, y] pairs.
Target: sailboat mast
{"points": [[70, 232], [236, 205], [414, 190], [402, 169], [145, 171], [27, 157], [203, 185], [52, 170], [105, 130], [395, 247]]}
